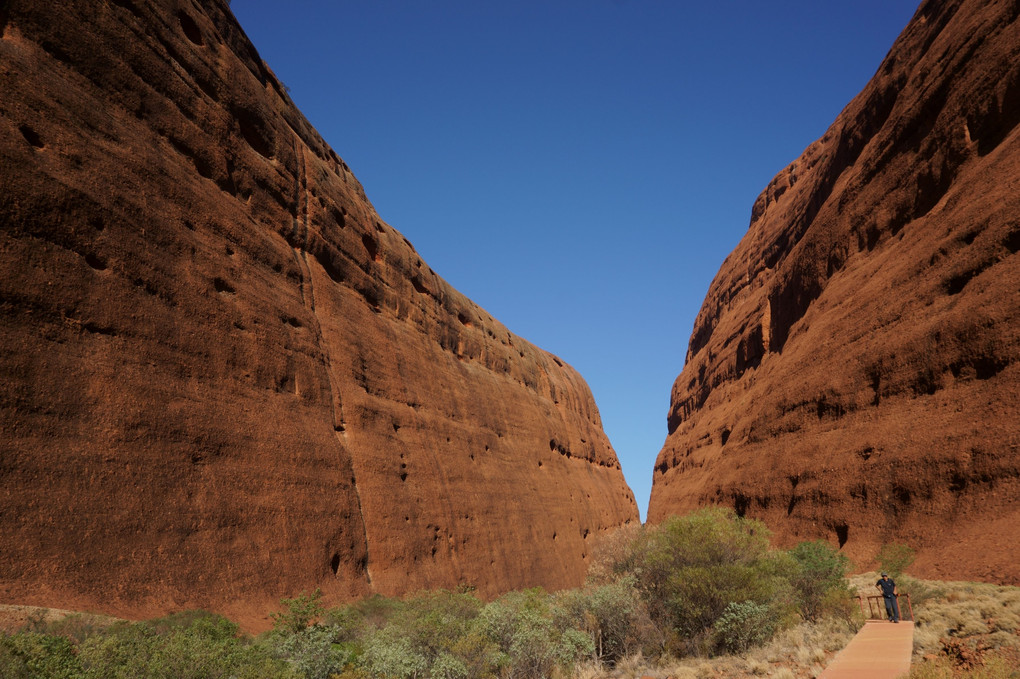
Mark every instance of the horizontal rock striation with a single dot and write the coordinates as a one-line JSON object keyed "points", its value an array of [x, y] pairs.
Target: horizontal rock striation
{"points": [[223, 378], [854, 372]]}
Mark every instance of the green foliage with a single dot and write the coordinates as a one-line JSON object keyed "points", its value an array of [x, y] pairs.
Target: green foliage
{"points": [[432, 634], [612, 615], [192, 645], [301, 612], [692, 567], [894, 559], [32, 655], [522, 626], [77, 627], [314, 652], [743, 625], [819, 580], [347, 622]]}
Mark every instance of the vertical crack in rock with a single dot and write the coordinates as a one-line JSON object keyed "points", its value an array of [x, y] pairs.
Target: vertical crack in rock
{"points": [[300, 235]]}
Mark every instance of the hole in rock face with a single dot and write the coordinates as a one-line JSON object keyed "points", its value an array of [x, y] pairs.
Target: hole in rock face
{"points": [[334, 563], [254, 131], [371, 246], [725, 436], [95, 262], [30, 136], [741, 503], [339, 217], [1012, 240], [842, 534], [190, 28], [223, 286]]}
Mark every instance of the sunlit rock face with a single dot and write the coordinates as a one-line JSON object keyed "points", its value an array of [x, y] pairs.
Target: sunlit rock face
{"points": [[854, 372], [225, 379]]}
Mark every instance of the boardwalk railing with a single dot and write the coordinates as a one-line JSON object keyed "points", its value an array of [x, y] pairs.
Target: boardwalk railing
{"points": [[876, 607]]}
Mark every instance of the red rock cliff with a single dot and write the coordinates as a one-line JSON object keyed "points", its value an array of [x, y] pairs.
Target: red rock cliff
{"points": [[224, 378], [854, 372]]}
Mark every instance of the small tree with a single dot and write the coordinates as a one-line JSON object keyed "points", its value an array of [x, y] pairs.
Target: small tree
{"points": [[612, 615], [895, 558], [690, 568], [302, 611], [743, 625], [530, 644], [819, 579]]}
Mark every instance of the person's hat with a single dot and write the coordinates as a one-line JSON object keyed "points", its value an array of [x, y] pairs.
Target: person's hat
{"points": [[885, 575]]}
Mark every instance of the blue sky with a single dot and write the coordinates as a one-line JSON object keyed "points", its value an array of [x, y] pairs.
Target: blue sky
{"points": [[578, 168]]}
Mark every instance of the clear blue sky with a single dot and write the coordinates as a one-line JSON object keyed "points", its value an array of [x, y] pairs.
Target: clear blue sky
{"points": [[578, 168]]}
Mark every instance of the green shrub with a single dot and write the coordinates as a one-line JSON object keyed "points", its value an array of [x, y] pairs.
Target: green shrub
{"points": [[301, 612], [348, 622], [743, 625], [529, 642], [314, 652], [391, 655], [432, 634], [612, 615], [819, 580], [894, 559], [690, 568], [32, 655], [192, 645], [77, 627]]}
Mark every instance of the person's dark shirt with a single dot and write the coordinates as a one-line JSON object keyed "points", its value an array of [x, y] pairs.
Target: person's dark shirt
{"points": [[888, 586]]}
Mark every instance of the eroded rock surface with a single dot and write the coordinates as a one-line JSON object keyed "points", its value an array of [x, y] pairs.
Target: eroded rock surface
{"points": [[854, 372], [225, 379]]}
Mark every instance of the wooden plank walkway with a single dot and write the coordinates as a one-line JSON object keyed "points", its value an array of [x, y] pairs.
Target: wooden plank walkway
{"points": [[881, 650]]}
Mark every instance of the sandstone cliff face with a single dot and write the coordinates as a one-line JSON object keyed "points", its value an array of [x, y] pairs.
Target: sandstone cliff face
{"points": [[854, 372], [224, 378]]}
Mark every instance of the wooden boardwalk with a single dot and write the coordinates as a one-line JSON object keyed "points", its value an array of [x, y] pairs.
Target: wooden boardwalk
{"points": [[881, 650]]}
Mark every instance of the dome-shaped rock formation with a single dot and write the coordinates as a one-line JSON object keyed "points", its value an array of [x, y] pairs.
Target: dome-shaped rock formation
{"points": [[854, 372], [225, 379]]}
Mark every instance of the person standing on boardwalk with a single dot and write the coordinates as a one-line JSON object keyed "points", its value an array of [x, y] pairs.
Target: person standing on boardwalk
{"points": [[888, 587]]}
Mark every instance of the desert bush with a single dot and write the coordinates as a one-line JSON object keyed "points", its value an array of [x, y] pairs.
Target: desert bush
{"points": [[819, 580], [611, 554], [32, 655], [314, 652], [529, 643], [690, 568], [77, 627], [301, 611], [389, 654], [433, 634], [612, 615], [193, 645], [895, 558], [743, 625], [348, 622], [920, 591]]}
